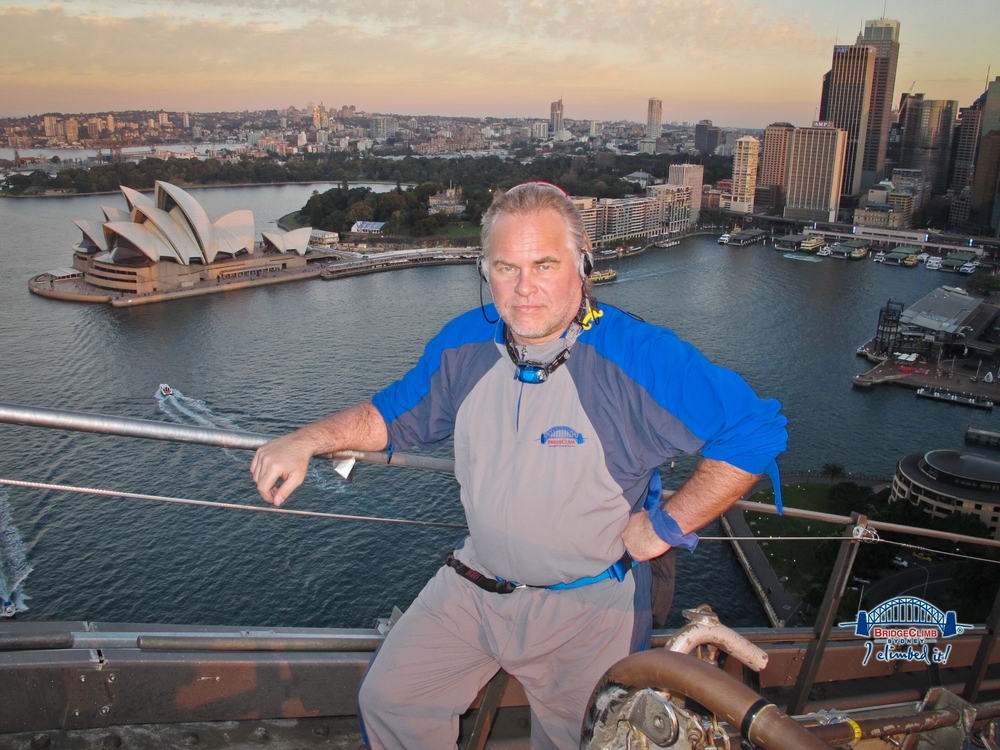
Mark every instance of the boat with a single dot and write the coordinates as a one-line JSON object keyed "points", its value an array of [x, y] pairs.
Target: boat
{"points": [[724, 239], [603, 277], [667, 243], [962, 399], [859, 253], [933, 263], [969, 268], [7, 608], [116, 685], [879, 257], [911, 261], [922, 257], [165, 390], [825, 251], [811, 245]]}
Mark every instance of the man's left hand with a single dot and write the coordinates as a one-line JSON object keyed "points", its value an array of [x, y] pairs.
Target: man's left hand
{"points": [[641, 541]]}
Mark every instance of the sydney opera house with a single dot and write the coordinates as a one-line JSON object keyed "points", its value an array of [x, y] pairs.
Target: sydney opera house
{"points": [[166, 246]]}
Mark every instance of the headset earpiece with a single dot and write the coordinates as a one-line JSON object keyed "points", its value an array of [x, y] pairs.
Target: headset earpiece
{"points": [[586, 263], [484, 273]]}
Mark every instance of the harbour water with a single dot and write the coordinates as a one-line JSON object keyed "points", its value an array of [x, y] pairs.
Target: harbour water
{"points": [[272, 358]]}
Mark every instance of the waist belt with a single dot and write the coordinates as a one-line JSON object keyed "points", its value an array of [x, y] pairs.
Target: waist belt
{"points": [[617, 571]]}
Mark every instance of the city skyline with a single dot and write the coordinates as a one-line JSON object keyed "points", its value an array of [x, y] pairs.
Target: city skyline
{"points": [[420, 57]]}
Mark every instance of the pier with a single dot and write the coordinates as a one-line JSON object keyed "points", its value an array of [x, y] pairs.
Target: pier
{"points": [[976, 436]]}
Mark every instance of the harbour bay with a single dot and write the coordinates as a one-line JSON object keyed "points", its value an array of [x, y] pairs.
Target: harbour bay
{"points": [[269, 359]]}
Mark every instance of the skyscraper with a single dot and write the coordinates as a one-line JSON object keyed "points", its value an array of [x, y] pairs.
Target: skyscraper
{"points": [[654, 118], [966, 145], [745, 159], [848, 91], [815, 172], [883, 35], [991, 109], [927, 134], [556, 116], [777, 136], [693, 176], [706, 137], [986, 183]]}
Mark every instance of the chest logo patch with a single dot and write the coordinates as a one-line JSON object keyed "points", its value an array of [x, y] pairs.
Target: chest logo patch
{"points": [[561, 437]]}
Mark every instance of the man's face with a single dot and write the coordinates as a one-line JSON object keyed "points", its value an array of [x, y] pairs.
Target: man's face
{"points": [[533, 275]]}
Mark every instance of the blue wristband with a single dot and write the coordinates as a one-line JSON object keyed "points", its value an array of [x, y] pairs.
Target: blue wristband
{"points": [[667, 529]]}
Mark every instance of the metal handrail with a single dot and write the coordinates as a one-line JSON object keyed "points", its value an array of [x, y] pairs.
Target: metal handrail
{"points": [[61, 419]]}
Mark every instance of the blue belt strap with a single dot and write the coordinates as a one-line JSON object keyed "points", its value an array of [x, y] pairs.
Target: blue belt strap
{"points": [[618, 571]]}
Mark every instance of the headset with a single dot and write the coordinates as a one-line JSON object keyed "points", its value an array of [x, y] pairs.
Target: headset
{"points": [[585, 267]]}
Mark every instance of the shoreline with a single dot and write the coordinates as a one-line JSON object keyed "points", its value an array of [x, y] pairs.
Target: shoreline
{"points": [[213, 185]]}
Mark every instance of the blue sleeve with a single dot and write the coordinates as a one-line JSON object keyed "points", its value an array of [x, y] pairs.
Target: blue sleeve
{"points": [[419, 409], [715, 404]]}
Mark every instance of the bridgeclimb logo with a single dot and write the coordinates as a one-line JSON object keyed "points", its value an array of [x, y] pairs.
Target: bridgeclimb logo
{"points": [[906, 628], [561, 436]]}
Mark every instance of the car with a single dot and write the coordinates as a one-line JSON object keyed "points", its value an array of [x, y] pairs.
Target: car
{"points": [[899, 562], [922, 556]]}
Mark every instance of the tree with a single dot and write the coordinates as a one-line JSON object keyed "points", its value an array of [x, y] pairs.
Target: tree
{"points": [[833, 471]]}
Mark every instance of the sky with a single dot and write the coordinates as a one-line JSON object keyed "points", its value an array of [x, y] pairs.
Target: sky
{"points": [[737, 63]]}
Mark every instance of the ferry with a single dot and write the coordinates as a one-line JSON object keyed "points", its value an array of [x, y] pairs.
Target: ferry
{"points": [[879, 257], [969, 267], [933, 263], [724, 239], [603, 277], [859, 253], [825, 252], [962, 399], [811, 245]]}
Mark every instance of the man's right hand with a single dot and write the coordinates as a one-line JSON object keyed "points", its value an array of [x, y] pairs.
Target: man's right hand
{"points": [[286, 459]]}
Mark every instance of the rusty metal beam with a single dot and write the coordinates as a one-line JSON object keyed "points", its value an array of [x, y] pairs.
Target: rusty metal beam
{"points": [[487, 711], [827, 614]]}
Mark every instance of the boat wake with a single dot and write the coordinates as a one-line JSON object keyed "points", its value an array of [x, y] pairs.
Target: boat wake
{"points": [[14, 567], [191, 411]]}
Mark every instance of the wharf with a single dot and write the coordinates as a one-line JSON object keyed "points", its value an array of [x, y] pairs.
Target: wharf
{"points": [[942, 378], [976, 436]]}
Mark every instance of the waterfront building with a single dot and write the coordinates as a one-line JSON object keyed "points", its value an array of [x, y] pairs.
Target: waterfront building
{"points": [[938, 319], [774, 160], [744, 174], [926, 141], [654, 118], [815, 171], [693, 176], [556, 116], [883, 36], [943, 482], [665, 209], [168, 244], [886, 207], [706, 137], [985, 195], [913, 182], [846, 104]]}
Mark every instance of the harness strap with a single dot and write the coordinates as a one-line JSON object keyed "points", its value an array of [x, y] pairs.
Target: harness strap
{"points": [[618, 570]]}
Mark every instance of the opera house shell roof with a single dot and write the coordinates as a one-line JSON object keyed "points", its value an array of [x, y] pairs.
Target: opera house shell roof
{"points": [[173, 226]]}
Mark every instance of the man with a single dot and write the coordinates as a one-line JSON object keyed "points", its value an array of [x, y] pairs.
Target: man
{"points": [[561, 413]]}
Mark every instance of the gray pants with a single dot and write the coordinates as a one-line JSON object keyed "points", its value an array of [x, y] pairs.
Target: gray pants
{"points": [[455, 637]]}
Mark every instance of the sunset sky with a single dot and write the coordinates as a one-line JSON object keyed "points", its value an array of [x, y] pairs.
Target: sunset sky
{"points": [[736, 63]]}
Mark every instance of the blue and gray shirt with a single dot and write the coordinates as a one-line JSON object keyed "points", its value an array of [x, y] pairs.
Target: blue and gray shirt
{"points": [[550, 472]]}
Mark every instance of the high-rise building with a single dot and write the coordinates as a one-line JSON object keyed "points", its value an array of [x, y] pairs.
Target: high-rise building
{"points": [[745, 157], [991, 109], [185, 120], [882, 35], [556, 116], [164, 120], [927, 134], [50, 122], [815, 172], [693, 176], [848, 93], [654, 118], [985, 199], [72, 130], [706, 137], [774, 160], [111, 123], [383, 127], [540, 130], [970, 122]]}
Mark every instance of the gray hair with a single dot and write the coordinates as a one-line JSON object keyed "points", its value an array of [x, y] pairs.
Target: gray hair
{"points": [[531, 197]]}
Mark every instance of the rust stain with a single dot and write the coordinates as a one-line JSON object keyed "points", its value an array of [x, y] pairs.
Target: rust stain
{"points": [[293, 709], [212, 682]]}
